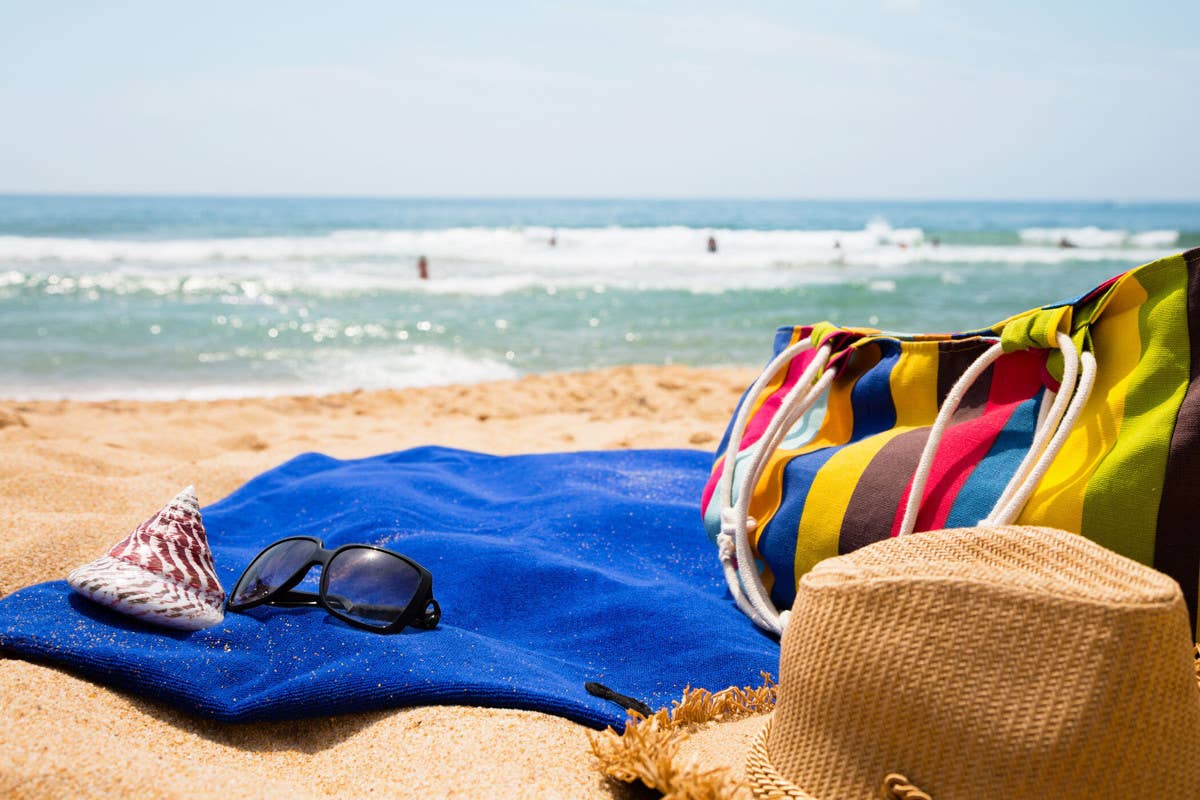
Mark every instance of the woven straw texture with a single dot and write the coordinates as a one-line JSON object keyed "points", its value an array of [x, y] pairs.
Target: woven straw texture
{"points": [[1014, 662]]}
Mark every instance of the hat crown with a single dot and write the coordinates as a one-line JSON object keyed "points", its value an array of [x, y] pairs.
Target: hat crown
{"points": [[1025, 660], [1050, 562]]}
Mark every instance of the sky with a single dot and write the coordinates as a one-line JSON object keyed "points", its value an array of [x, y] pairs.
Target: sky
{"points": [[890, 99]]}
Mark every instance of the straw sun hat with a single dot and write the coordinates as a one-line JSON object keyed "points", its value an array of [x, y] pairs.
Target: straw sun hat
{"points": [[959, 665]]}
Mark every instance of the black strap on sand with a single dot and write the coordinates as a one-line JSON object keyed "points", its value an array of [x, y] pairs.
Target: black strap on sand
{"points": [[623, 700]]}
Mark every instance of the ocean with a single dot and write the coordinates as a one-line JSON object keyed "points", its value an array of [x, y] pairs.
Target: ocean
{"points": [[204, 297]]}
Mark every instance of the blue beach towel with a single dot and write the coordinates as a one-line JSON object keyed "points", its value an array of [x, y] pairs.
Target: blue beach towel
{"points": [[551, 570]]}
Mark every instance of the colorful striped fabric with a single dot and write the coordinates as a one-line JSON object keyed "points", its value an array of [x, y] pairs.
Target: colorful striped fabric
{"points": [[1122, 477]]}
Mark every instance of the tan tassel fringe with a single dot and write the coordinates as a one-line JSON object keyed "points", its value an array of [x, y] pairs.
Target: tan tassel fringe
{"points": [[647, 750]]}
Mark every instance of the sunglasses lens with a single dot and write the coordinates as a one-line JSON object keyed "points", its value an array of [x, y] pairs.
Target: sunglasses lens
{"points": [[370, 586], [271, 570]]}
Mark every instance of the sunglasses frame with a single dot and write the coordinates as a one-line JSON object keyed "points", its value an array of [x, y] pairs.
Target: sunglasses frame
{"points": [[422, 611]]}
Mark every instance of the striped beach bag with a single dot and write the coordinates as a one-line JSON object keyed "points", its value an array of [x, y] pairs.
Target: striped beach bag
{"points": [[1083, 415]]}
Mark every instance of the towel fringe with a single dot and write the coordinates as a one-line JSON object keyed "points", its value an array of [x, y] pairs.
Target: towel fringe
{"points": [[648, 748]]}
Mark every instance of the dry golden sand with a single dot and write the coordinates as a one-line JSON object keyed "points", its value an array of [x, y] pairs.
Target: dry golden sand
{"points": [[75, 477]]}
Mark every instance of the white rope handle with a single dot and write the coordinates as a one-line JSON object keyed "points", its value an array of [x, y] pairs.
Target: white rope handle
{"points": [[953, 400], [1048, 423], [733, 543], [1008, 513], [796, 406], [734, 548], [731, 528], [733, 446], [1079, 376]]}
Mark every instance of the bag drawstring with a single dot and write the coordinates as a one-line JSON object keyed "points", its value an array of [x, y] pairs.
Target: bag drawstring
{"points": [[733, 543]]}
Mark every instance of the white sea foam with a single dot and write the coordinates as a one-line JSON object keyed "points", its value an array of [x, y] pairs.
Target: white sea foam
{"points": [[320, 313], [497, 261], [1093, 237], [1154, 239], [502, 246]]}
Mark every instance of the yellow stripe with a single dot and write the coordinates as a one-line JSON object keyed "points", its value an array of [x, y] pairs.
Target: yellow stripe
{"points": [[913, 385], [1058, 500]]}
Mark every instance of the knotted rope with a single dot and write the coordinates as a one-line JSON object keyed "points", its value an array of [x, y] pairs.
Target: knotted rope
{"points": [[897, 787]]}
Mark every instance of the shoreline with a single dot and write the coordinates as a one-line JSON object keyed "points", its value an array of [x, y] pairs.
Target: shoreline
{"points": [[196, 395], [76, 476]]}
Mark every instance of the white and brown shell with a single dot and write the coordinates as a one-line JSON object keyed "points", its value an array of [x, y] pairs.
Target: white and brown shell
{"points": [[162, 572]]}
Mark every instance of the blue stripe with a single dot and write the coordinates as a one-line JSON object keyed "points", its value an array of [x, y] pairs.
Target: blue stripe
{"points": [[871, 397], [777, 542], [993, 472]]}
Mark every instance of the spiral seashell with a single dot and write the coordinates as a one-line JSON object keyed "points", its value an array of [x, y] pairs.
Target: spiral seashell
{"points": [[162, 572]]}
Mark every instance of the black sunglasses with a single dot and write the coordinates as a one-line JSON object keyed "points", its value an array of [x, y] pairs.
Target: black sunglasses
{"points": [[366, 586]]}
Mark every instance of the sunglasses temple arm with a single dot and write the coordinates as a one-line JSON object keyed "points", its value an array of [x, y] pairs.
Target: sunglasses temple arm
{"points": [[429, 617], [293, 597]]}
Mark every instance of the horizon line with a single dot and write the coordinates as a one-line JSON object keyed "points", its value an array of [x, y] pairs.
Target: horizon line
{"points": [[589, 198]]}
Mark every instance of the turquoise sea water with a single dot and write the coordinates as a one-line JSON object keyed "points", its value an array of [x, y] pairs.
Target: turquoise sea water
{"points": [[206, 297]]}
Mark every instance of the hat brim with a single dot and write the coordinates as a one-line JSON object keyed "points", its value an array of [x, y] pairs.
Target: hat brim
{"points": [[760, 773], [138, 592]]}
